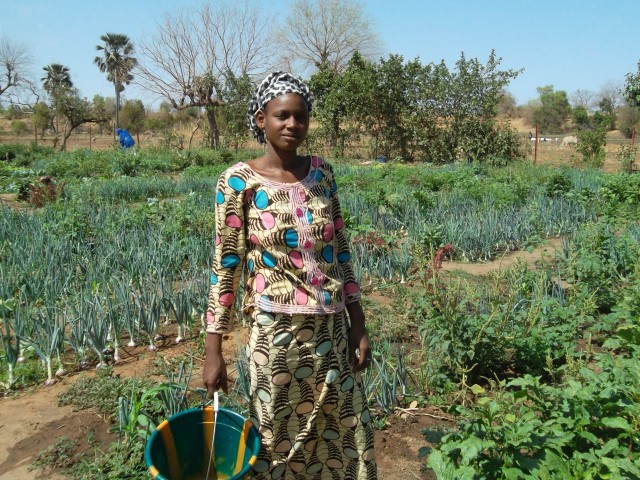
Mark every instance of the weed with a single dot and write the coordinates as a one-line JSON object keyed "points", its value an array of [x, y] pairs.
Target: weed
{"points": [[59, 455]]}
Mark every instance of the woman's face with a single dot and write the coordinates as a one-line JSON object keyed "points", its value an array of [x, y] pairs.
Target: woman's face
{"points": [[285, 121]]}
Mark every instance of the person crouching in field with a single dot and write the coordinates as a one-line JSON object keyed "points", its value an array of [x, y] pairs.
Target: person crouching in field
{"points": [[279, 221], [126, 140]]}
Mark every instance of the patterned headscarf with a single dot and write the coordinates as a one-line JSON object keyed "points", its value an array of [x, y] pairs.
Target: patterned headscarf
{"points": [[274, 85]]}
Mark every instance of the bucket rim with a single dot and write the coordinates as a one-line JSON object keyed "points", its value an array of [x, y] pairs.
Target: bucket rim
{"points": [[190, 411]]}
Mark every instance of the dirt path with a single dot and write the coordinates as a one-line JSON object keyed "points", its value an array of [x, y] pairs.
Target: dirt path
{"points": [[548, 249]]}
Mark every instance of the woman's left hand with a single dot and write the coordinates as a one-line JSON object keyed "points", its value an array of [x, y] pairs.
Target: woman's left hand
{"points": [[359, 342]]}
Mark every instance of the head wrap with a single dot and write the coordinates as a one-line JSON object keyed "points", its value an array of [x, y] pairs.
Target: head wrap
{"points": [[274, 85]]}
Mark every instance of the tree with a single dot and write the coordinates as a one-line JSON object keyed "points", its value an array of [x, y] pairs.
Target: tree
{"points": [[106, 106], [629, 119], [581, 117], [582, 98], [410, 110], [553, 110], [236, 93], [75, 111], [612, 92], [41, 118], [189, 58], [58, 76], [591, 145], [507, 107], [326, 33], [632, 88], [14, 61], [133, 116], [117, 61]]}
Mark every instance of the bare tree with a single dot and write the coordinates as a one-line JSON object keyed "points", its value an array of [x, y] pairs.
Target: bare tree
{"points": [[14, 61], [192, 53], [326, 33], [611, 92], [582, 98]]}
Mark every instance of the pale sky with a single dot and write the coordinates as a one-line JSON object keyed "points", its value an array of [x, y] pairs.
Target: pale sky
{"points": [[570, 44]]}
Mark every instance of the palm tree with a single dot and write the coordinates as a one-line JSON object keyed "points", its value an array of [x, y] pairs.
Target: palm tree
{"points": [[57, 77], [117, 61]]}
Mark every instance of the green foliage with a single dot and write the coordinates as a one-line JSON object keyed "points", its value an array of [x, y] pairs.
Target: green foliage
{"points": [[14, 112], [100, 392], [59, 455], [629, 119], [19, 127], [599, 261], [585, 427], [632, 88], [236, 93], [124, 460], [412, 111], [553, 110], [581, 118], [620, 197], [626, 155], [591, 146], [41, 117], [132, 115]]}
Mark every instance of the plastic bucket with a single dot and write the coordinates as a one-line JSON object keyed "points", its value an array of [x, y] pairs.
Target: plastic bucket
{"points": [[180, 447]]}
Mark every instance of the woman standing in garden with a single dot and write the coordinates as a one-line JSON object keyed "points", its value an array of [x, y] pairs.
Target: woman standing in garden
{"points": [[279, 222]]}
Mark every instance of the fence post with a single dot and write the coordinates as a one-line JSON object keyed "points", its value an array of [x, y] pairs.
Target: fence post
{"points": [[633, 136], [535, 154], [90, 137]]}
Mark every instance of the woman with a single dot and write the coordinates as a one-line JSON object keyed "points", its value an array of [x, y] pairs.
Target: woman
{"points": [[279, 221]]}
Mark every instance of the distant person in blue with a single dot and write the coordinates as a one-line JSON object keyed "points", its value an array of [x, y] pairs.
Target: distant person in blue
{"points": [[126, 140]]}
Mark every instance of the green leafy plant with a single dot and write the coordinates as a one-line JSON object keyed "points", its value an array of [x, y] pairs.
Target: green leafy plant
{"points": [[626, 155], [591, 146]]}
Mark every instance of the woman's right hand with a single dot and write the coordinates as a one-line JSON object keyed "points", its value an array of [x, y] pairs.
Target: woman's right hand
{"points": [[214, 374]]}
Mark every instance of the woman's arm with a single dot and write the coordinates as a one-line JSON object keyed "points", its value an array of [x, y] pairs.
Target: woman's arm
{"points": [[359, 345], [225, 278], [358, 338]]}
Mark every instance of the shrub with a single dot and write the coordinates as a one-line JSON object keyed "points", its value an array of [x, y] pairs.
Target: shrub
{"points": [[19, 127], [628, 119], [626, 155], [591, 146]]}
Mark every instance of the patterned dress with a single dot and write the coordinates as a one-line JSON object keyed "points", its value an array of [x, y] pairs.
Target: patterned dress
{"points": [[288, 239]]}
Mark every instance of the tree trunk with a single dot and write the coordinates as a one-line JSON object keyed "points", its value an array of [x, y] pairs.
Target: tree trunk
{"points": [[214, 132], [117, 123]]}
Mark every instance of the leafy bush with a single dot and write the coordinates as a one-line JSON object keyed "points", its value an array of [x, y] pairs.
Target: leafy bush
{"points": [[585, 427], [599, 261], [19, 127], [591, 146], [626, 155]]}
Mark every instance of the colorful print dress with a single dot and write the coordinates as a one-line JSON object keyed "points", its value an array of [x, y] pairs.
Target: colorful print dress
{"points": [[288, 239]]}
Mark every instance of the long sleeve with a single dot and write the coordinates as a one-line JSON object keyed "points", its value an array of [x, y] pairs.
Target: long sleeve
{"points": [[230, 251], [343, 253]]}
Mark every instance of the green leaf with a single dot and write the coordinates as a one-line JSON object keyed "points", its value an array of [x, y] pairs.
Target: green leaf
{"points": [[617, 422], [469, 449], [424, 451], [510, 417], [477, 389]]}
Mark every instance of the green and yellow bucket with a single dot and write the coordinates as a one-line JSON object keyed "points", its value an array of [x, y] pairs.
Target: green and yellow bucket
{"points": [[180, 447]]}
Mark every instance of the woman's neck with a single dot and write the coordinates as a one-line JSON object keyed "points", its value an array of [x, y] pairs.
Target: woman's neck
{"points": [[284, 159]]}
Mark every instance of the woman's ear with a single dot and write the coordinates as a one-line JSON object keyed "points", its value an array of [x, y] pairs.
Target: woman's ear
{"points": [[260, 117]]}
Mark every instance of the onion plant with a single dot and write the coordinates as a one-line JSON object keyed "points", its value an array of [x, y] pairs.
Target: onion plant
{"points": [[147, 302], [46, 336], [129, 321], [10, 341]]}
